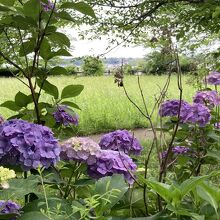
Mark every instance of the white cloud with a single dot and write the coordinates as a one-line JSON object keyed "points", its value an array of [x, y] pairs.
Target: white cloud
{"points": [[99, 47]]}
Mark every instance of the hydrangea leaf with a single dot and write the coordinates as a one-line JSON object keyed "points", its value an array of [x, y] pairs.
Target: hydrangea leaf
{"points": [[71, 104], [71, 91], [11, 105], [48, 88], [22, 100], [115, 185]]}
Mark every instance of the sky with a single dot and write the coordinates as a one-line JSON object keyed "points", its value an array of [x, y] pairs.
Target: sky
{"points": [[98, 47]]}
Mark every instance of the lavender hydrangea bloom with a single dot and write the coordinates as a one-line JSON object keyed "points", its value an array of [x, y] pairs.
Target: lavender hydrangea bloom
{"points": [[47, 7], [196, 114], [121, 140], [111, 162], [1, 119], [7, 207], [80, 149], [178, 150], [28, 145], [171, 107], [62, 116], [208, 98], [213, 78]]}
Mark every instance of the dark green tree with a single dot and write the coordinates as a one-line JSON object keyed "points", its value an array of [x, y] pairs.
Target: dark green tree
{"points": [[92, 66]]}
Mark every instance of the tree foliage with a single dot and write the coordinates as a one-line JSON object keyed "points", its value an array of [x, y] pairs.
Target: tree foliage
{"points": [[92, 66]]}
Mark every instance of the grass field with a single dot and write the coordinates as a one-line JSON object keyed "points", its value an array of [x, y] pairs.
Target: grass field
{"points": [[104, 104]]}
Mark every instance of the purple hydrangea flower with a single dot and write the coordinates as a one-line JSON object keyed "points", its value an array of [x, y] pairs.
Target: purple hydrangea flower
{"points": [[47, 6], [171, 107], [62, 116], [213, 78], [109, 162], [9, 207], [121, 140], [1, 119], [207, 98], [80, 149], [28, 145], [178, 150], [196, 114]]}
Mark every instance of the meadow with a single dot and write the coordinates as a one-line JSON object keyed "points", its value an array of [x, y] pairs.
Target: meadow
{"points": [[104, 104]]}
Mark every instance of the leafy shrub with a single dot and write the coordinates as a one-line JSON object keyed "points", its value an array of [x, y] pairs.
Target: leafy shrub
{"points": [[8, 73], [92, 66]]}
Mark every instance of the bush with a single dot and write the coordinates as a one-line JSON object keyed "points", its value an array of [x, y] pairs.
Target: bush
{"points": [[8, 73], [160, 63], [71, 70], [92, 66]]}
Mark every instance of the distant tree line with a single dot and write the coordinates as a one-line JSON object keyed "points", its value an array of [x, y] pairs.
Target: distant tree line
{"points": [[153, 63]]}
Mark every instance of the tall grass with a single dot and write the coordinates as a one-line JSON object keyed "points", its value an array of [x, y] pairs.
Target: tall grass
{"points": [[104, 104]]}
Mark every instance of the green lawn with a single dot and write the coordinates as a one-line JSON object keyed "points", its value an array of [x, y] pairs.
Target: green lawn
{"points": [[104, 104]]}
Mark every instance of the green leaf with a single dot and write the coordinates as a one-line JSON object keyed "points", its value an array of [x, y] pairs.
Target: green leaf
{"points": [[7, 2], [114, 185], [21, 187], [71, 91], [164, 190], [32, 9], [33, 216], [10, 105], [24, 22], [59, 38], [45, 50], [22, 100], [3, 8], [8, 216], [71, 104], [210, 194], [48, 88], [60, 52], [27, 47], [58, 70], [81, 7], [190, 184], [65, 16]]}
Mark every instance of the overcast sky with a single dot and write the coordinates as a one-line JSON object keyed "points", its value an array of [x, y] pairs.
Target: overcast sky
{"points": [[98, 47]]}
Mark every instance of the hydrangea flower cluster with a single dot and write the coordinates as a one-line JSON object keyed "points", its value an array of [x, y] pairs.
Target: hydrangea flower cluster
{"points": [[28, 145], [80, 149], [213, 78], [47, 7], [1, 119], [121, 140], [6, 174], [196, 114], [9, 207], [171, 107], [178, 150], [100, 162], [110, 162], [208, 98], [63, 117]]}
